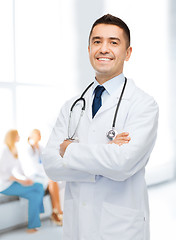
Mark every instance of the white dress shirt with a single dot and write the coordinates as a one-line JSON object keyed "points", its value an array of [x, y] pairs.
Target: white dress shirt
{"points": [[110, 87]]}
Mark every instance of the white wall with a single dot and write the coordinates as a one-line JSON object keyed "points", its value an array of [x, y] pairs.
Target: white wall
{"points": [[44, 61]]}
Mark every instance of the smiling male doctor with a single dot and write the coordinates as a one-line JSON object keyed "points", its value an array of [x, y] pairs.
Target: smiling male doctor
{"points": [[106, 194]]}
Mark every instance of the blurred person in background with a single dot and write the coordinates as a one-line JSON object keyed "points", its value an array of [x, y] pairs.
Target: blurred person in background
{"points": [[13, 182], [34, 169]]}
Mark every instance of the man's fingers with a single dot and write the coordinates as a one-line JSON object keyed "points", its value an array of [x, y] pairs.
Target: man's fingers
{"points": [[121, 138], [122, 141], [63, 147], [123, 134]]}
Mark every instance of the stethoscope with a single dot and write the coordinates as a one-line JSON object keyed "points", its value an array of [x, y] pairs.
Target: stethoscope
{"points": [[111, 134]]}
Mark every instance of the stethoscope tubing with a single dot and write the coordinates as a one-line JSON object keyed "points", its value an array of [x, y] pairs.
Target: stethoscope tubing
{"points": [[118, 104], [84, 107]]}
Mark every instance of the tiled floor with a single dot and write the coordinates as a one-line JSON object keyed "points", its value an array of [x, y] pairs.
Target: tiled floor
{"points": [[162, 214]]}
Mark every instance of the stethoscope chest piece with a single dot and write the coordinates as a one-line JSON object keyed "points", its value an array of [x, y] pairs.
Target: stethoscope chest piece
{"points": [[111, 134]]}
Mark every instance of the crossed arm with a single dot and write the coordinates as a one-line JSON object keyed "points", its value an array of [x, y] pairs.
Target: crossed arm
{"points": [[120, 139], [117, 163]]}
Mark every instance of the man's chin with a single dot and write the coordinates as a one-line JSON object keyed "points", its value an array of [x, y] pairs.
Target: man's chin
{"points": [[103, 72]]}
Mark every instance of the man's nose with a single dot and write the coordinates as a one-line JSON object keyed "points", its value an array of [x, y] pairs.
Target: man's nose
{"points": [[104, 48]]}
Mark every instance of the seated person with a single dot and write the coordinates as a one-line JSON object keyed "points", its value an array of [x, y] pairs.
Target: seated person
{"points": [[33, 168], [13, 182]]}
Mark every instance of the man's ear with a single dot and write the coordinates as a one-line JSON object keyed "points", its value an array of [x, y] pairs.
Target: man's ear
{"points": [[88, 49], [128, 53]]}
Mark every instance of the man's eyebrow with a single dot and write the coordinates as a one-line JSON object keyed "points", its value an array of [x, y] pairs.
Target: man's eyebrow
{"points": [[115, 38], [111, 38], [96, 37]]}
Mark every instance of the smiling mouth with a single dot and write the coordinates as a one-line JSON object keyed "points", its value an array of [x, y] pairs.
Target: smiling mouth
{"points": [[104, 59]]}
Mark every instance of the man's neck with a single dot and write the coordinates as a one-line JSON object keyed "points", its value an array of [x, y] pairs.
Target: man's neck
{"points": [[103, 78]]}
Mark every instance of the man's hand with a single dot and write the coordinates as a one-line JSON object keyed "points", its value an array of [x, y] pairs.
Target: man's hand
{"points": [[121, 139], [63, 147]]}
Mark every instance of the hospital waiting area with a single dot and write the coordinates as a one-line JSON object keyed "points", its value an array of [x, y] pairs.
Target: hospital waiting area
{"points": [[162, 214], [162, 200], [44, 62]]}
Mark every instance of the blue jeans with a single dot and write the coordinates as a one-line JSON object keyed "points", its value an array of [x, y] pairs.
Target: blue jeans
{"points": [[34, 194]]}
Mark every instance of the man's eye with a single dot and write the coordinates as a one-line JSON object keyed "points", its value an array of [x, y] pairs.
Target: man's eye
{"points": [[114, 43], [97, 42]]}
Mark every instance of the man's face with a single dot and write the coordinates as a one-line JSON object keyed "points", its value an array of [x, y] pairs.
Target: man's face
{"points": [[108, 51]]}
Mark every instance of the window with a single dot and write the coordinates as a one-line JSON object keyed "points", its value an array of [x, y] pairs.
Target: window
{"points": [[6, 110], [37, 64], [6, 41]]}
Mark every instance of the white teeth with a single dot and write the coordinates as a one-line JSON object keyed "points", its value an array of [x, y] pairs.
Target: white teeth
{"points": [[104, 59]]}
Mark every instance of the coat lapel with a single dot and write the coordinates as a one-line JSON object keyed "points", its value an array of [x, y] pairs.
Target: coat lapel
{"points": [[111, 101], [88, 98]]}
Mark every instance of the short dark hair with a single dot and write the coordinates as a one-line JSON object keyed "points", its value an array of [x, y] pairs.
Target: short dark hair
{"points": [[112, 20]]}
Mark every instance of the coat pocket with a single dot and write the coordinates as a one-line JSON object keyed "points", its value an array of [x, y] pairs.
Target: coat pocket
{"points": [[119, 223]]}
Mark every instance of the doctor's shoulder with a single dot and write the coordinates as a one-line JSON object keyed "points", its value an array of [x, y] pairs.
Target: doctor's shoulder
{"points": [[143, 100], [65, 109]]}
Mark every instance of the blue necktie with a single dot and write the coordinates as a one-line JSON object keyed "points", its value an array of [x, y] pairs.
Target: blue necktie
{"points": [[97, 99]]}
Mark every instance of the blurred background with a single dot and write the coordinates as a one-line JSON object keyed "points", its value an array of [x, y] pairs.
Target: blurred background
{"points": [[44, 62]]}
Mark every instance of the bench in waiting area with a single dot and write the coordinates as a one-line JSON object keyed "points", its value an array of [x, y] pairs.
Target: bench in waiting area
{"points": [[14, 212]]}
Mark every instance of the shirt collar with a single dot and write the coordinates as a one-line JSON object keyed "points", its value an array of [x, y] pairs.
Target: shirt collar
{"points": [[112, 84]]}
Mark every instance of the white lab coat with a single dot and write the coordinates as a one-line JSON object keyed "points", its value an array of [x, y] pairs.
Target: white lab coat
{"points": [[106, 195]]}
